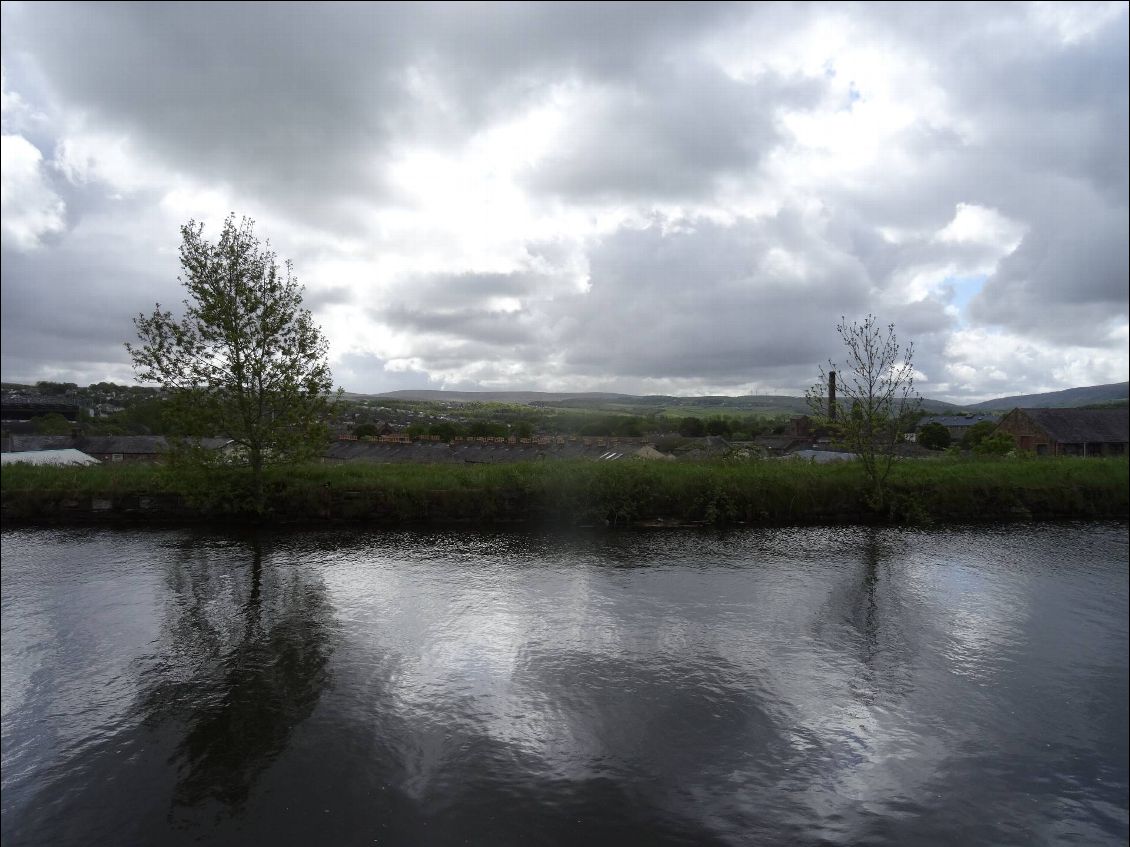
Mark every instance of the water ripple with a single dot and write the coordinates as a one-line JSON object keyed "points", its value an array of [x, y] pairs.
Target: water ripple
{"points": [[799, 686]]}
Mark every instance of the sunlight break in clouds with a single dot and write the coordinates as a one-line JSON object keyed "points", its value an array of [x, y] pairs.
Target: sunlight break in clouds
{"points": [[650, 198]]}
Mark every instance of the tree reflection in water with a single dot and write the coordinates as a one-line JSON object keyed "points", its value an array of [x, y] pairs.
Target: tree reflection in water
{"points": [[864, 619], [866, 611], [238, 676]]}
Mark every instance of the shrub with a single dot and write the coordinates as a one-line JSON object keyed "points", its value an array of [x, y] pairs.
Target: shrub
{"points": [[977, 433], [934, 436], [995, 445]]}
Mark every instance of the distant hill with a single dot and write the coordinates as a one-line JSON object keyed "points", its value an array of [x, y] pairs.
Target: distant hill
{"points": [[1067, 399], [520, 397], [768, 404]]}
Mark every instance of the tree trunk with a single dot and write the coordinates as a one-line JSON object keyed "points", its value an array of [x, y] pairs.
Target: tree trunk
{"points": [[258, 500]]}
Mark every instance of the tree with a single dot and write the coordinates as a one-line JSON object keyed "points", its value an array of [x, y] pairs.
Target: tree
{"points": [[977, 433], [876, 385], [56, 388], [446, 431], [934, 436], [245, 360], [692, 427], [52, 424], [997, 444], [719, 426]]}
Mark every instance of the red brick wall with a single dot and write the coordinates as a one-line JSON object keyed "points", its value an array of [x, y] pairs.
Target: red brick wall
{"points": [[1025, 433]]}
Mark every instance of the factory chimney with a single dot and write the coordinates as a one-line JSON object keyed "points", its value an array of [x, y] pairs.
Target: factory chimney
{"points": [[832, 396]]}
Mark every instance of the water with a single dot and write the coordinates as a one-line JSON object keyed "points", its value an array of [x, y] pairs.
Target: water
{"points": [[804, 686]]}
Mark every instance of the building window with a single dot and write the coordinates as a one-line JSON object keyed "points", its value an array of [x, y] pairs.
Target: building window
{"points": [[116, 457]]}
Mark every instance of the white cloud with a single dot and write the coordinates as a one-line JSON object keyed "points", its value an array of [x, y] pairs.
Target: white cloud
{"points": [[973, 224], [31, 208], [683, 198], [984, 363]]}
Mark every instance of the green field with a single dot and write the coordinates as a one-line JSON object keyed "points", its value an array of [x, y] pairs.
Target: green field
{"points": [[592, 493]]}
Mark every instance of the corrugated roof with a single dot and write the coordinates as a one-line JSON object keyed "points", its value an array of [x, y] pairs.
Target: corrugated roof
{"points": [[40, 442], [124, 444], [820, 457], [68, 456], [957, 420], [475, 452], [1075, 426]]}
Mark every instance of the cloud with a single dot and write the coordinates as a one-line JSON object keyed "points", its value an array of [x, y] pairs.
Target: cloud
{"points": [[760, 291], [675, 197], [668, 136], [31, 208]]}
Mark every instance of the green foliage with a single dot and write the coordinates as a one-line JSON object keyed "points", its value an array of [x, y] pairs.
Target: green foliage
{"points": [[365, 430], [876, 386], [487, 429], [976, 434], [44, 387], [719, 426], [52, 424], [612, 493], [144, 417], [934, 436], [246, 360], [692, 427], [1000, 444]]}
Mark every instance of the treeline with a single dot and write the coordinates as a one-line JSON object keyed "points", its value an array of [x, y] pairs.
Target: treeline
{"points": [[578, 423], [144, 412], [97, 391], [143, 417]]}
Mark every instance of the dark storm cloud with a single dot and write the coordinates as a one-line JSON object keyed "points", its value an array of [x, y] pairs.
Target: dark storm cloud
{"points": [[714, 301], [1047, 148], [1064, 283], [301, 112], [281, 101], [492, 328], [670, 135], [299, 104], [73, 303], [336, 295], [489, 310], [469, 289]]}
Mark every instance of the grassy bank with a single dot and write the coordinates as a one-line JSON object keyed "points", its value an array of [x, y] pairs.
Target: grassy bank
{"points": [[616, 493]]}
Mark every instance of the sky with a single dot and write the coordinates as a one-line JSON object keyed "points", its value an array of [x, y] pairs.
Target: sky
{"points": [[647, 198]]}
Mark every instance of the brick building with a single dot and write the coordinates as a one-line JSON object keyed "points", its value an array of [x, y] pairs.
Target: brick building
{"points": [[1068, 432]]}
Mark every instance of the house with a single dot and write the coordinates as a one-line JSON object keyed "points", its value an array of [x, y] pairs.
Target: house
{"points": [[66, 456], [1068, 432], [956, 425], [781, 445], [124, 448], [485, 451], [820, 457], [108, 448], [17, 443]]}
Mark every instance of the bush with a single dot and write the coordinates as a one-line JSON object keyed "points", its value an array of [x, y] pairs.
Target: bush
{"points": [[692, 428], [52, 424], [718, 426], [977, 433], [995, 445], [934, 436]]}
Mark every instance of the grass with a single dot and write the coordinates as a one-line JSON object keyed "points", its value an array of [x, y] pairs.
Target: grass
{"points": [[617, 493]]}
